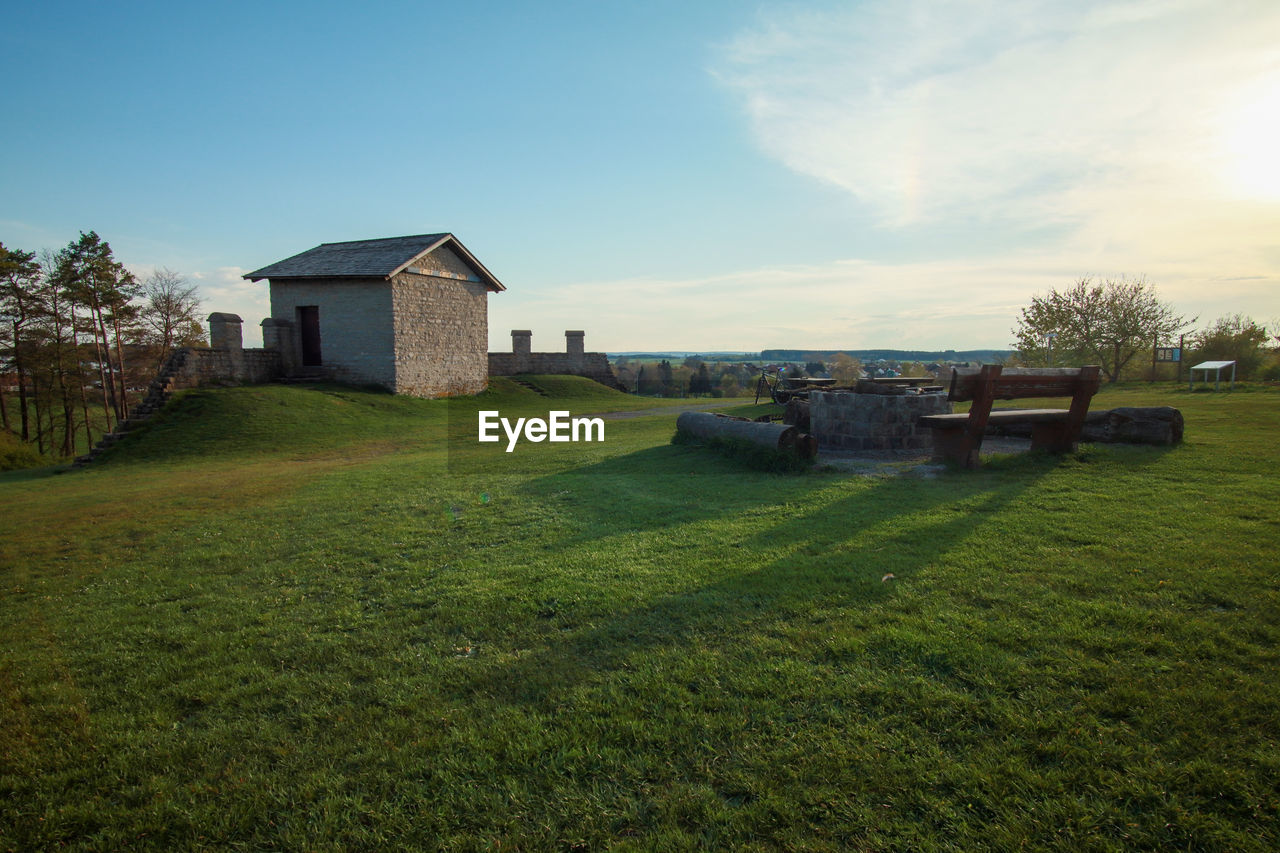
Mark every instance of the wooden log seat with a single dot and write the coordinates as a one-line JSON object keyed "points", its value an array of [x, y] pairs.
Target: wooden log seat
{"points": [[958, 437], [774, 436]]}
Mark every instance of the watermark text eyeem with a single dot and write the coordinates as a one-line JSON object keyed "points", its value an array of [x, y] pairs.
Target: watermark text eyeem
{"points": [[559, 426]]}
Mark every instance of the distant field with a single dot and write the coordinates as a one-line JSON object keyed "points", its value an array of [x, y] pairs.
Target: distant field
{"points": [[300, 618]]}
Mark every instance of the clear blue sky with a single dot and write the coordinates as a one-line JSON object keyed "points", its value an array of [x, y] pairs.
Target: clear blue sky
{"points": [[670, 175]]}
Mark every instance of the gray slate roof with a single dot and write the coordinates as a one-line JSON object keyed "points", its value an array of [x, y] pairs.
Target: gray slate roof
{"points": [[380, 259]]}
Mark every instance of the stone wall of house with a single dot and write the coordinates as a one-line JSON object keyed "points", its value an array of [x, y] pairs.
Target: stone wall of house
{"points": [[843, 420], [575, 361], [356, 342], [441, 332], [444, 263]]}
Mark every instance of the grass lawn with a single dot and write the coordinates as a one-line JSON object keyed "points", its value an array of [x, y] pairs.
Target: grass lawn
{"points": [[304, 618]]}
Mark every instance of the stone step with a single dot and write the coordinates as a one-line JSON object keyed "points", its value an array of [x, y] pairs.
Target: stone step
{"points": [[159, 391], [530, 386]]}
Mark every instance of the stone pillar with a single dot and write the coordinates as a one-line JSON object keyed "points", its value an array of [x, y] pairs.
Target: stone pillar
{"points": [[575, 343], [278, 335], [224, 331], [522, 346], [225, 334]]}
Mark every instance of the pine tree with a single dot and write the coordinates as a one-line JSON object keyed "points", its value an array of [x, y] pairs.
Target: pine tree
{"points": [[19, 308]]}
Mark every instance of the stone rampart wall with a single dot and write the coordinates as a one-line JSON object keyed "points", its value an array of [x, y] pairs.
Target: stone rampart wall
{"points": [[593, 365], [205, 366]]}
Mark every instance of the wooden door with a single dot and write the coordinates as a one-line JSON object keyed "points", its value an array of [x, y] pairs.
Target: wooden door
{"points": [[309, 327]]}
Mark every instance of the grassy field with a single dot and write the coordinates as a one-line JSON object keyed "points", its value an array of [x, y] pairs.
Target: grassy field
{"points": [[300, 618]]}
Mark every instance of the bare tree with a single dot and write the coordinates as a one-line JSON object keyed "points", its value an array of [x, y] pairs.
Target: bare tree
{"points": [[171, 311]]}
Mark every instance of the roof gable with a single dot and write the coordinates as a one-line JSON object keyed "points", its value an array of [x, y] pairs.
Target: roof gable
{"points": [[379, 259]]}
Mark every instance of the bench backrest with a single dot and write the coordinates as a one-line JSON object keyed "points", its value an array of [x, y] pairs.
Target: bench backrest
{"points": [[994, 382]]}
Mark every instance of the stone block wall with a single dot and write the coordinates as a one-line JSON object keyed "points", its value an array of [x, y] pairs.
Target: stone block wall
{"points": [[356, 341], [444, 263], [850, 421], [227, 362], [227, 366], [441, 333]]}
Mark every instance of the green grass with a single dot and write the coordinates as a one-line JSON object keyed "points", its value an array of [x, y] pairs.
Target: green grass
{"points": [[302, 619]]}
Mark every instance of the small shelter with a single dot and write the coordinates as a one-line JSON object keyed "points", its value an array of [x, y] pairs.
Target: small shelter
{"points": [[1217, 367], [407, 313]]}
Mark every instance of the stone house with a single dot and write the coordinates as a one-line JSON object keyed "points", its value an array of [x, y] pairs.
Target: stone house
{"points": [[407, 313]]}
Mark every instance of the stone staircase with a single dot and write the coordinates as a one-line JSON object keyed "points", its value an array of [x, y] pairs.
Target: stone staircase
{"points": [[307, 376], [529, 385], [158, 393]]}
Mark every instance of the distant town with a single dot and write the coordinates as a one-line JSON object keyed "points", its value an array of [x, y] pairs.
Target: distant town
{"points": [[811, 354], [728, 374]]}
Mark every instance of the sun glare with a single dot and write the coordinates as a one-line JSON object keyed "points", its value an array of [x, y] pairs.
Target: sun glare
{"points": [[1253, 145]]}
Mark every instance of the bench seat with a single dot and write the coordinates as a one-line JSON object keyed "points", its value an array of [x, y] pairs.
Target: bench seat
{"points": [[997, 416]]}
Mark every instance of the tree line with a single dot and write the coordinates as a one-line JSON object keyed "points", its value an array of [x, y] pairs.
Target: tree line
{"points": [[1117, 325], [696, 377], [80, 338]]}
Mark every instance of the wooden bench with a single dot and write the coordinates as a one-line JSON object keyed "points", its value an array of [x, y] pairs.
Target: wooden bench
{"points": [[958, 437]]}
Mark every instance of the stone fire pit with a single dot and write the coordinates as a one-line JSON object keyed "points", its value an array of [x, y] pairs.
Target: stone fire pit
{"points": [[850, 421]]}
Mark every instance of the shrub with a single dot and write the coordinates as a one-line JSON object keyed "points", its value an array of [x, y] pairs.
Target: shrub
{"points": [[15, 453]]}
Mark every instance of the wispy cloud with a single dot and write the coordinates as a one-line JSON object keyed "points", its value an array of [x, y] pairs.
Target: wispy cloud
{"points": [[1036, 113], [1096, 138], [223, 289]]}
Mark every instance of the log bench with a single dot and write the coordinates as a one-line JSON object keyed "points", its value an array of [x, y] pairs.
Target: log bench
{"points": [[958, 437]]}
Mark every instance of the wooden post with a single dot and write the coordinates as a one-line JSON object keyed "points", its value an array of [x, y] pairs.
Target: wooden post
{"points": [[1087, 385], [979, 413]]}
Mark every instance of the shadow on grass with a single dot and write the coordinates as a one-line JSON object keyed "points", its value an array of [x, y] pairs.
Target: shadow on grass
{"points": [[23, 475], [800, 558]]}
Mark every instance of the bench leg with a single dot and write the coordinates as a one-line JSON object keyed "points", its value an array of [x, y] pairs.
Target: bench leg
{"points": [[1053, 437], [956, 445]]}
